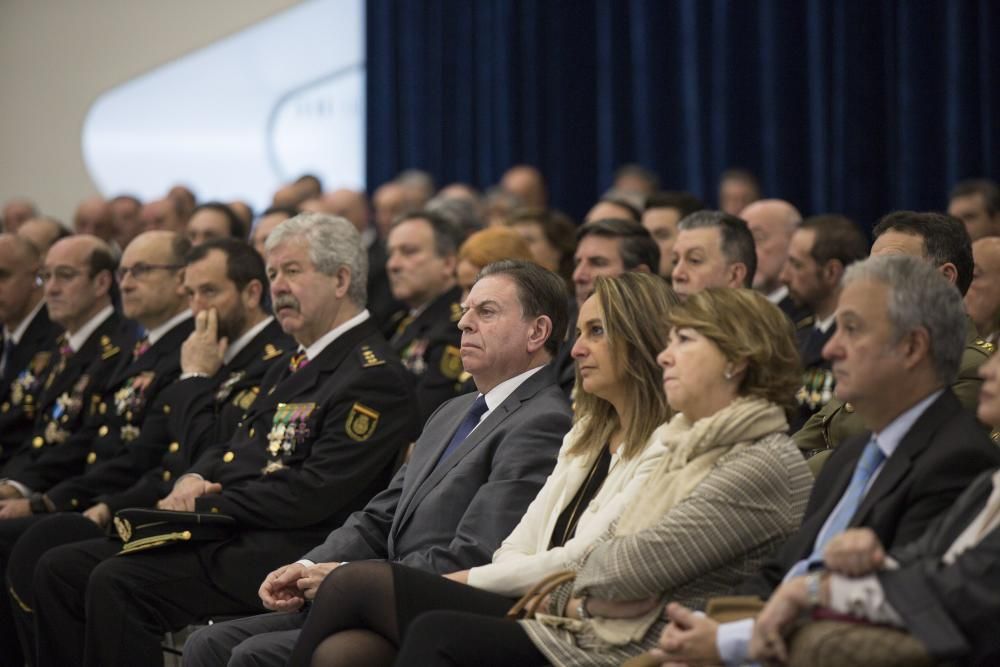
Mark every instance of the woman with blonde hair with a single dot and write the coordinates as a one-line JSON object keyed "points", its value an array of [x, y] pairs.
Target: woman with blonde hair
{"points": [[731, 487], [602, 465]]}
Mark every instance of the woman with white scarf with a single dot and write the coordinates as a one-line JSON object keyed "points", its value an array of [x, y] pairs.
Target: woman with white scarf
{"points": [[730, 488]]}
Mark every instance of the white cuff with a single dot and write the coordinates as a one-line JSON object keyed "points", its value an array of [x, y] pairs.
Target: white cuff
{"points": [[732, 640]]}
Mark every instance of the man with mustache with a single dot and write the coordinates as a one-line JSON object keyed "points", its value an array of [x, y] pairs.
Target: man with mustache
{"points": [[449, 507], [320, 440]]}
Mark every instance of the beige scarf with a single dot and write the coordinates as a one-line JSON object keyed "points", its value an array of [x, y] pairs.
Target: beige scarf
{"points": [[692, 451]]}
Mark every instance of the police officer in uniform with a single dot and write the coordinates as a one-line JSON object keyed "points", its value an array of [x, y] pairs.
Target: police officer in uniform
{"points": [[28, 339], [318, 442], [151, 280], [225, 280], [422, 251], [943, 241]]}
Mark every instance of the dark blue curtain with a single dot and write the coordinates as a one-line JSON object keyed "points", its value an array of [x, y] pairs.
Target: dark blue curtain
{"points": [[857, 106]]}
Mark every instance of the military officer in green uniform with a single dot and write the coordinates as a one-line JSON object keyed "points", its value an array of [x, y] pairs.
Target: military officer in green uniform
{"points": [[315, 446], [422, 250], [943, 241]]}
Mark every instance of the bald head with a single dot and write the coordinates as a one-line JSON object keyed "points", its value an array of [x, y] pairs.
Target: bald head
{"points": [[42, 232], [982, 301], [771, 221], [527, 184], [163, 215], [93, 216], [16, 212]]}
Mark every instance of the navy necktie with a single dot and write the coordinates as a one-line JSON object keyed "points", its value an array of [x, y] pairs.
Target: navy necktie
{"points": [[472, 418]]}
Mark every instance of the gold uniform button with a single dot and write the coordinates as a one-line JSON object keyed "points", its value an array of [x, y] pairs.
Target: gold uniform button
{"points": [[166, 475], [251, 431], [215, 510], [91, 457], [103, 431], [166, 409], [174, 447], [102, 408], [74, 502], [848, 407], [228, 457], [128, 415], [5, 407], [37, 441]]}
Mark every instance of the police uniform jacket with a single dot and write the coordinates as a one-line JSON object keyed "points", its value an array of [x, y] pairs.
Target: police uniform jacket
{"points": [[837, 420], [314, 447], [200, 413], [817, 377], [114, 420], [62, 402], [429, 347], [23, 380]]}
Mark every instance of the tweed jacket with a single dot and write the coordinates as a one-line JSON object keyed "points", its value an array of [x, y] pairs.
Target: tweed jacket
{"points": [[751, 500]]}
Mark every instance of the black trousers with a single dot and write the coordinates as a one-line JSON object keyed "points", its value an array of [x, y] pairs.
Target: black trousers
{"points": [[10, 646], [44, 533], [390, 601], [101, 610]]}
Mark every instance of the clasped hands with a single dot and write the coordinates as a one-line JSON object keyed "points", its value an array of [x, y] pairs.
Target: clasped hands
{"points": [[288, 587]]}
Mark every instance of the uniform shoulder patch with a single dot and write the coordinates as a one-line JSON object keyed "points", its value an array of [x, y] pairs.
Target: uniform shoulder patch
{"points": [[369, 357], [456, 312], [361, 422], [271, 351], [451, 362]]}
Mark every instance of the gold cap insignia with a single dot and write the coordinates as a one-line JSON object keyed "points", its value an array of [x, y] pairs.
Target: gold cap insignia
{"points": [[270, 352]]}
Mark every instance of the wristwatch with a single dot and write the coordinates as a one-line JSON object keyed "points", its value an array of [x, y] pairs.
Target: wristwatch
{"points": [[581, 609], [813, 581], [36, 501]]}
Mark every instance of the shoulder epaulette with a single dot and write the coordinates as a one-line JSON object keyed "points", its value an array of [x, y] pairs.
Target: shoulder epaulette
{"points": [[369, 358], [456, 312], [108, 349], [983, 346]]}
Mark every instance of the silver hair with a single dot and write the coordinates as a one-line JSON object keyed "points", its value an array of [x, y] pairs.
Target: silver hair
{"points": [[919, 297], [333, 242]]}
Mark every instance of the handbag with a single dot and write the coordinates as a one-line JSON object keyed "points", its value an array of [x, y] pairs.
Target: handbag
{"points": [[141, 529], [829, 643], [526, 607]]}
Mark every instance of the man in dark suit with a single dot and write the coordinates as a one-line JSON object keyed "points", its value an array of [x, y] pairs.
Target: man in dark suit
{"points": [[443, 512], [28, 339], [316, 445], [899, 340], [421, 262], [941, 588], [943, 242]]}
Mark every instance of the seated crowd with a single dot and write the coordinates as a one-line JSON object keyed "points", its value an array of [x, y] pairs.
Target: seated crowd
{"points": [[453, 428]]}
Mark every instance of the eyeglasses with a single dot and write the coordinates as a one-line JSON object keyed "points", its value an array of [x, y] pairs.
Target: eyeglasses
{"points": [[141, 270], [61, 274]]}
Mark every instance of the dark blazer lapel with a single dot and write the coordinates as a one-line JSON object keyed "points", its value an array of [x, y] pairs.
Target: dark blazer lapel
{"points": [[90, 350], [832, 495], [169, 343], [254, 346], [431, 474], [917, 439], [419, 471]]}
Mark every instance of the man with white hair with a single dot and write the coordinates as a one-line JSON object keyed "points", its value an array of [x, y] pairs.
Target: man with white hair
{"points": [[320, 440]]}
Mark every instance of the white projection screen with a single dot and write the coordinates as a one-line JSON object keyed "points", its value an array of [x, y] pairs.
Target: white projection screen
{"points": [[239, 117]]}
